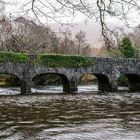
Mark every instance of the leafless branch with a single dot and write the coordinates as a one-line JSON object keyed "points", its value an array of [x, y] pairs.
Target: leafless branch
{"points": [[97, 9]]}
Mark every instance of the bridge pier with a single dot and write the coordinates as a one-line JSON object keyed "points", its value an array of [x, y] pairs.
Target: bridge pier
{"points": [[73, 85], [134, 87], [113, 86], [108, 86], [25, 88], [104, 87], [134, 82]]}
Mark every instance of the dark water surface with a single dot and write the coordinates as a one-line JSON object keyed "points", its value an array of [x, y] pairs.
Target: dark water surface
{"points": [[81, 116]]}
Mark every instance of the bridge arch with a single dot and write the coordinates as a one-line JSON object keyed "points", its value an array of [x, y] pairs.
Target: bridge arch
{"points": [[10, 80], [10, 75], [103, 81], [134, 81], [64, 79]]}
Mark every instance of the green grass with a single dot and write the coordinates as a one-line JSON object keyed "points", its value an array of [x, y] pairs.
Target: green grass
{"points": [[53, 60], [13, 57]]}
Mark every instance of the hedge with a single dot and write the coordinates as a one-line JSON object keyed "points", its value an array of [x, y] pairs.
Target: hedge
{"points": [[49, 60], [13, 57], [71, 61]]}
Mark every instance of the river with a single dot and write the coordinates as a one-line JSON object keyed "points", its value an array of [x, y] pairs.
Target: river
{"points": [[87, 115]]}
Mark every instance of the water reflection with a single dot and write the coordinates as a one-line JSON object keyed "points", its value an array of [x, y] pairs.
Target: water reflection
{"points": [[90, 116]]}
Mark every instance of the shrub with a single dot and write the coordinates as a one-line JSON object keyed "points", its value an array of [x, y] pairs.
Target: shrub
{"points": [[126, 48], [123, 81]]}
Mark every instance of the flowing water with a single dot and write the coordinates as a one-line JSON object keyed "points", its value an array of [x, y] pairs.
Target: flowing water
{"points": [[86, 115]]}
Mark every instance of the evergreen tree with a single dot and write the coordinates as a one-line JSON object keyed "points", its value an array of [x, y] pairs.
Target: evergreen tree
{"points": [[126, 48]]}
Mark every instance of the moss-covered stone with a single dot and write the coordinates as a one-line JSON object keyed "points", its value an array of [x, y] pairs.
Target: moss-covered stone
{"points": [[13, 57], [50, 60], [63, 61]]}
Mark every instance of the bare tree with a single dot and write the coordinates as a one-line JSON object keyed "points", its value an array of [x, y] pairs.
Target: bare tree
{"points": [[2, 7], [54, 42], [23, 35], [67, 43], [100, 10], [80, 37]]}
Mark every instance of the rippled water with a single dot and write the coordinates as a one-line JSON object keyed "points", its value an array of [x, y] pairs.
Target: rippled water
{"points": [[82, 116]]}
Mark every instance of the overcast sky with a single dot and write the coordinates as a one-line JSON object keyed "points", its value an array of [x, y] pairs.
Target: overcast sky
{"points": [[93, 30], [16, 9]]}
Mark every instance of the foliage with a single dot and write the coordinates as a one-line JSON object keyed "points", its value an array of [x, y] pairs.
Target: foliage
{"points": [[123, 81], [63, 61], [126, 48], [135, 39], [50, 60], [13, 57]]}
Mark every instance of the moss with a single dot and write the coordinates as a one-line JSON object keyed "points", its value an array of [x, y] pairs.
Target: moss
{"points": [[51, 60], [13, 57]]}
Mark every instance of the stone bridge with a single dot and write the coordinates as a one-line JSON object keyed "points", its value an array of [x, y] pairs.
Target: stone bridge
{"points": [[107, 71]]}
